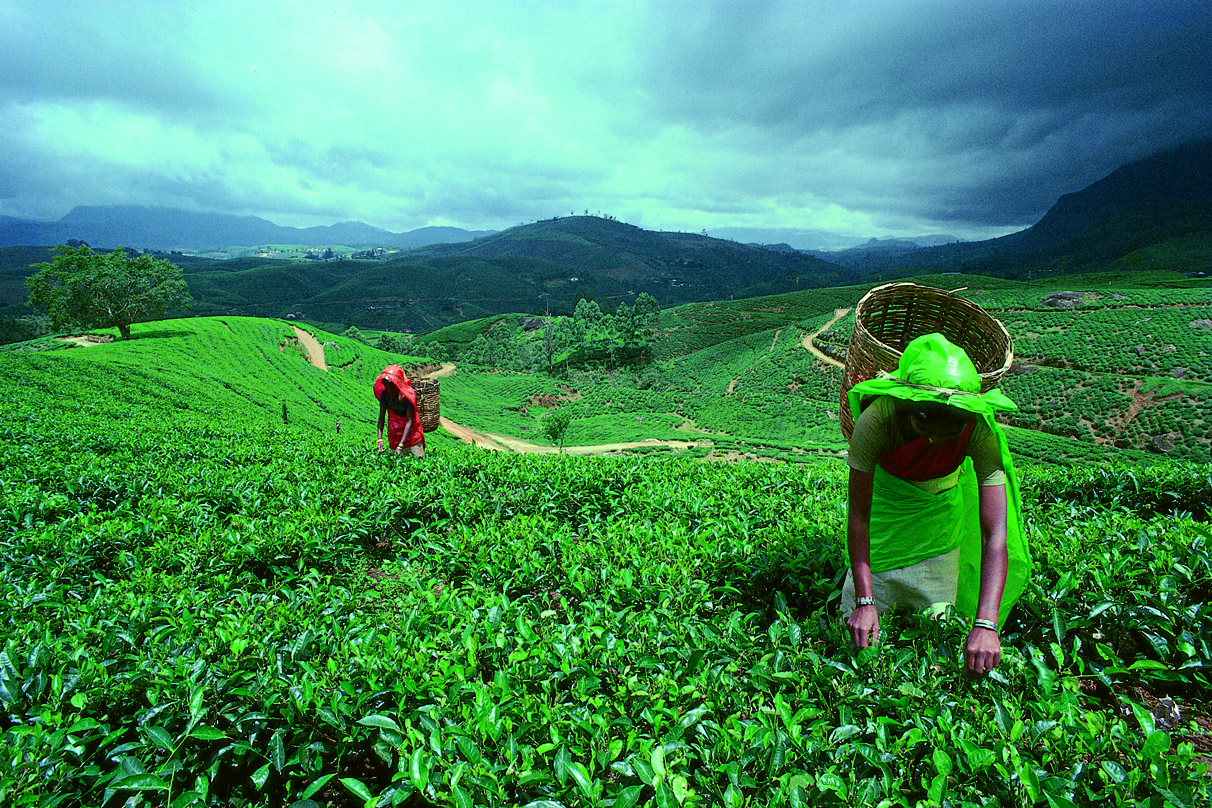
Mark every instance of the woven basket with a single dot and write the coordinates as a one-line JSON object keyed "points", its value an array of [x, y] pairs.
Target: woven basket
{"points": [[427, 403], [889, 317]]}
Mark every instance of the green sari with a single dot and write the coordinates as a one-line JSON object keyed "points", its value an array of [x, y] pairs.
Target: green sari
{"points": [[909, 525]]}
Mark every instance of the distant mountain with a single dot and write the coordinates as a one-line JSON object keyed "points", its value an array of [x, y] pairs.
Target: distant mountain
{"points": [[170, 229], [624, 258], [532, 269], [1142, 211]]}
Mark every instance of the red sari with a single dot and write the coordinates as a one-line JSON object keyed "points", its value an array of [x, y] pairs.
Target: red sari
{"points": [[393, 376]]}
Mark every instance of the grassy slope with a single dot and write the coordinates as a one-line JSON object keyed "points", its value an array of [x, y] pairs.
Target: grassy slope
{"points": [[203, 370]]}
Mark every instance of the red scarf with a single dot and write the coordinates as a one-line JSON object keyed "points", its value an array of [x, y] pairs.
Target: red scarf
{"points": [[921, 460]]}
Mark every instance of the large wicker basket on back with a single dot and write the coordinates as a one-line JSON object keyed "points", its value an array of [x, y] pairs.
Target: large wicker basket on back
{"points": [[889, 317], [427, 403]]}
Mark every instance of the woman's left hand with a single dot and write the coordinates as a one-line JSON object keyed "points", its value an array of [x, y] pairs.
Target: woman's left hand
{"points": [[982, 652]]}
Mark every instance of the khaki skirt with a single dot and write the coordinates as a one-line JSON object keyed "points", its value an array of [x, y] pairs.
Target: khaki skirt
{"points": [[912, 588]]}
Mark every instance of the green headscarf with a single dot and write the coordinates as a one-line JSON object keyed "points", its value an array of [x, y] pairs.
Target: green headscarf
{"points": [[934, 369]]}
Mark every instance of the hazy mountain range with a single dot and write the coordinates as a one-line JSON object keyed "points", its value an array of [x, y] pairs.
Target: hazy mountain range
{"points": [[167, 229], [1170, 190]]}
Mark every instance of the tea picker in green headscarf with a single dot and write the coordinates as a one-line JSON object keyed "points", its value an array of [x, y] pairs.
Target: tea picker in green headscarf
{"points": [[933, 499]]}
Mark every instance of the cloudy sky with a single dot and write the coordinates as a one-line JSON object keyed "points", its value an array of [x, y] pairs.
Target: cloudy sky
{"points": [[740, 117]]}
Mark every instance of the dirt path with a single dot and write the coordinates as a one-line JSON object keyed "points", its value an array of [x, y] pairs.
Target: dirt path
{"points": [[504, 443], [817, 352], [83, 342], [447, 369], [315, 351], [470, 436]]}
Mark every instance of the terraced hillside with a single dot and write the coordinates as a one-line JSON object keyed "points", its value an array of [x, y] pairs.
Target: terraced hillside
{"points": [[1103, 363]]}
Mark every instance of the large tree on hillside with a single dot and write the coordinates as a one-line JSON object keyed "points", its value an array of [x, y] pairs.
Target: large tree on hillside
{"points": [[87, 289]]}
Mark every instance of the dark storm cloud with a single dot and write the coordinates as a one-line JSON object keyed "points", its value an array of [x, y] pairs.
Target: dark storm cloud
{"points": [[867, 117], [1014, 103], [50, 57]]}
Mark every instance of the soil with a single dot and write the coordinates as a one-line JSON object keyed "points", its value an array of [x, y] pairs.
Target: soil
{"points": [[83, 341], [315, 351], [817, 352], [1177, 720]]}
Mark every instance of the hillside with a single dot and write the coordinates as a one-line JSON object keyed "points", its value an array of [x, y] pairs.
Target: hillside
{"points": [[1154, 213], [242, 370], [206, 602], [547, 266], [595, 247], [1105, 364]]}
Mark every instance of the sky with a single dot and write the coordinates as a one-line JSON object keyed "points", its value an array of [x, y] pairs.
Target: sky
{"points": [[761, 121]]}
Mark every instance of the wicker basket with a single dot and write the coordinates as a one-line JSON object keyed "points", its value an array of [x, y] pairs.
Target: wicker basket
{"points": [[427, 403], [889, 317]]}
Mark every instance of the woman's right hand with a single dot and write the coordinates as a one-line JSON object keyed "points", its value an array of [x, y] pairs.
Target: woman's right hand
{"points": [[380, 444], [864, 625]]}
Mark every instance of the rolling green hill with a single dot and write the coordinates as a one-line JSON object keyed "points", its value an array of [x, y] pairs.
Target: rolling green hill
{"points": [[1104, 363], [201, 372], [546, 266]]}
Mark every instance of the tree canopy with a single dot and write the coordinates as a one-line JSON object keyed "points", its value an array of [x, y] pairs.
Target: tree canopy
{"points": [[81, 288], [555, 425]]}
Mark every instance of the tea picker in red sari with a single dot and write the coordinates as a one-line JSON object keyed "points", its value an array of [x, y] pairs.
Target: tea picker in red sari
{"points": [[933, 500], [398, 404]]}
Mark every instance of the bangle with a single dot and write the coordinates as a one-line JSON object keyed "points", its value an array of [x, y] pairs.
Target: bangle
{"points": [[868, 601], [980, 622]]}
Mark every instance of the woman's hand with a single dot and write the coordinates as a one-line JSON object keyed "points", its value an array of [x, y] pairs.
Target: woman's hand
{"points": [[864, 625], [982, 652], [380, 442]]}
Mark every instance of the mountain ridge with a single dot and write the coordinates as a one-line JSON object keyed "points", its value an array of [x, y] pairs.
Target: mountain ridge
{"points": [[171, 229], [1152, 201]]}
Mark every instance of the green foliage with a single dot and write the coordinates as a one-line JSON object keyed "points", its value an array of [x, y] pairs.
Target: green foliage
{"points": [[87, 289], [555, 424], [22, 329], [555, 344], [204, 606]]}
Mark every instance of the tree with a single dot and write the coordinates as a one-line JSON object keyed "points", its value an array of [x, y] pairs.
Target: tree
{"points": [[87, 289], [555, 425], [391, 343], [647, 314]]}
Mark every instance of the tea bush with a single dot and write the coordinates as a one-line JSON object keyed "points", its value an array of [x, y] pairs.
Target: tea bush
{"points": [[206, 606]]}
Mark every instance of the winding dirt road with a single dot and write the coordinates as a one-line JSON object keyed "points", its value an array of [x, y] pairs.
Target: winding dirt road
{"points": [[817, 352]]}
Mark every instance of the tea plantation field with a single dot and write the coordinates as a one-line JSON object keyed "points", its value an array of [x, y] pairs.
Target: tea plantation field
{"points": [[1104, 363], [213, 596]]}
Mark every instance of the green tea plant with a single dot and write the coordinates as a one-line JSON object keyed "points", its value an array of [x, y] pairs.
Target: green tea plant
{"points": [[206, 606]]}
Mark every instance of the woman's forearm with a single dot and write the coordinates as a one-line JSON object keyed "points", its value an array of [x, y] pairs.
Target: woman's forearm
{"points": [[858, 532], [995, 559]]}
